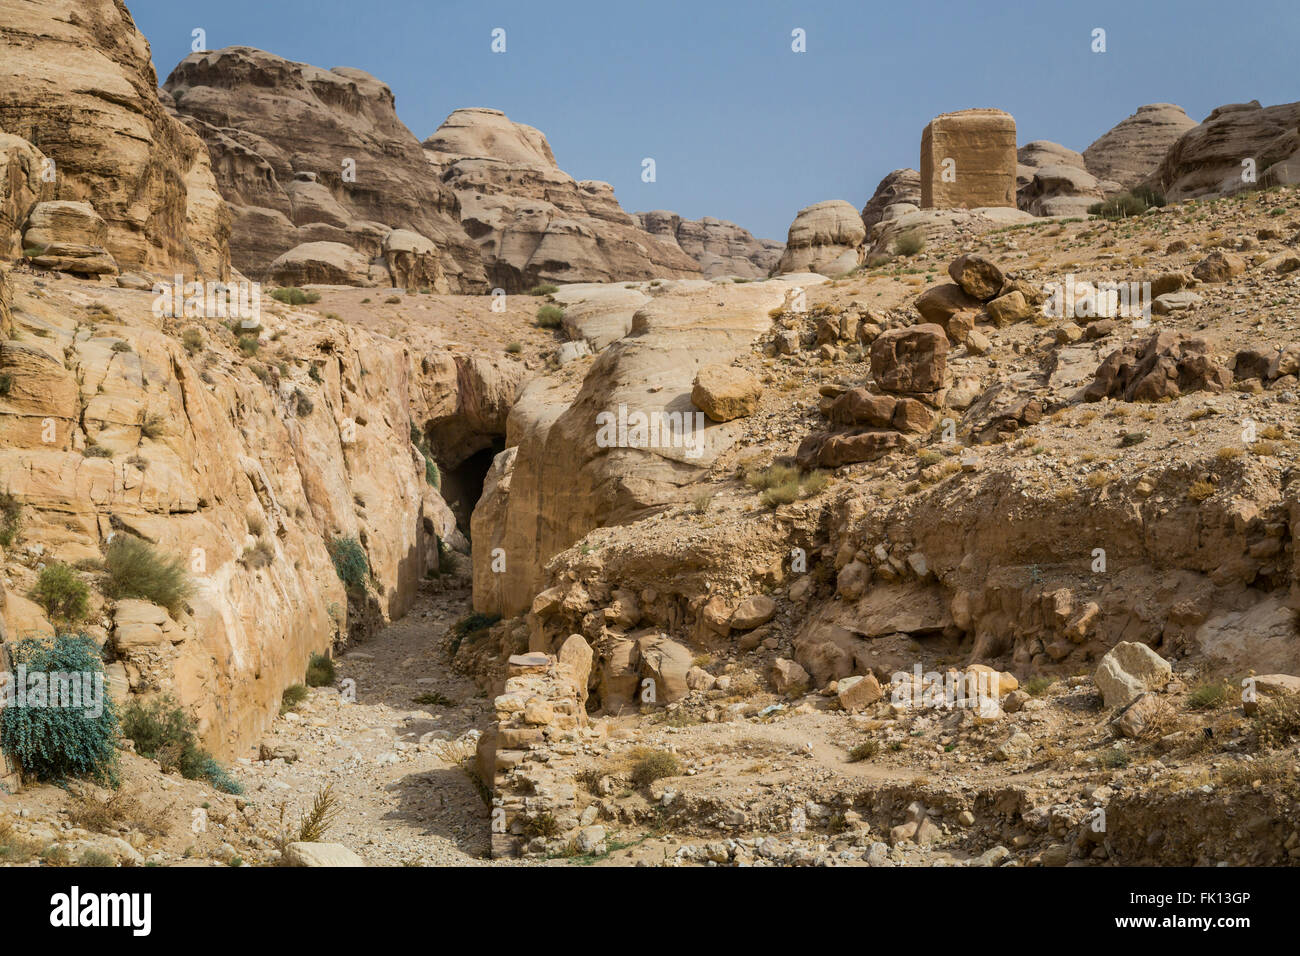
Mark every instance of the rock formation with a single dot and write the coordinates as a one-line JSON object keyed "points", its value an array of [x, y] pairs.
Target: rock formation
{"points": [[968, 160], [825, 237], [307, 156], [720, 248], [533, 222], [1209, 159], [896, 195], [1130, 151], [79, 87], [1051, 180]]}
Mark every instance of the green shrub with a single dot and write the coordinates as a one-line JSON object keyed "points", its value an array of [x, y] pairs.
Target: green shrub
{"points": [[11, 519], [192, 339], [1277, 721], [1210, 695], [97, 451], [95, 858], [53, 743], [1119, 207], [782, 494], [514, 348], [135, 569], [153, 427], [293, 695], [909, 243], [393, 300], [546, 288], [291, 295], [320, 671], [1152, 197], [249, 344], [6, 383], [62, 593], [162, 731], [471, 628], [431, 473], [121, 347], [349, 561], [864, 751], [651, 765], [550, 316], [1037, 686]]}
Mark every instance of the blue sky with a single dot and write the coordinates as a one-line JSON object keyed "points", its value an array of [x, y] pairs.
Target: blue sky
{"points": [[741, 127]]}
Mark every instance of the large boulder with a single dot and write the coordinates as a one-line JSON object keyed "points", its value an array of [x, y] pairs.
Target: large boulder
{"points": [[825, 237], [1130, 151], [978, 277], [23, 184], [69, 237], [910, 360], [724, 392], [320, 854], [968, 160], [1165, 365], [1129, 670], [320, 263], [79, 85]]}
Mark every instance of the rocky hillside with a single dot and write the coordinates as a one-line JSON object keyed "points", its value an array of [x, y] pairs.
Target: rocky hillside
{"points": [[1132, 149], [535, 223]]}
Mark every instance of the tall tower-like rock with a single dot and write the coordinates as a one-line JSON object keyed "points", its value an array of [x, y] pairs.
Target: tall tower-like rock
{"points": [[968, 159]]}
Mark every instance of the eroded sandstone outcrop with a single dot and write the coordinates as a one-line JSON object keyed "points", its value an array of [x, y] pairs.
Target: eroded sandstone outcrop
{"points": [[1209, 159], [305, 155], [1131, 150], [721, 248], [825, 237], [78, 85], [532, 221]]}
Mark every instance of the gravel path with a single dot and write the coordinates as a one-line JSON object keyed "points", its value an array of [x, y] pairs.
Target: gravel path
{"points": [[393, 763]]}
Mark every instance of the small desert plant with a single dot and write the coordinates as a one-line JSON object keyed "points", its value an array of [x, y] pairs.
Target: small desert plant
{"points": [[1037, 686], [1278, 720], [1119, 207], [120, 346], [651, 765], [6, 383], [471, 628], [192, 339], [545, 288], [162, 731], [393, 300], [316, 822], [1200, 490], [1116, 758], [118, 809], [550, 316], [434, 699], [11, 519], [514, 348], [293, 695], [701, 500], [864, 751], [302, 403], [56, 742], [153, 427], [95, 858], [1209, 695], [97, 451], [349, 561], [909, 243], [63, 595], [291, 295], [249, 344], [320, 671], [135, 569]]}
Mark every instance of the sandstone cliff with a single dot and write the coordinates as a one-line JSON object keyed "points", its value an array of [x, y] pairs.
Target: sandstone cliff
{"points": [[306, 156], [533, 222], [77, 83], [1210, 159], [720, 248], [1131, 150]]}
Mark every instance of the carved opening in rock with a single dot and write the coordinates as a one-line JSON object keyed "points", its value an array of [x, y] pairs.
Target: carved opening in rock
{"points": [[462, 484]]}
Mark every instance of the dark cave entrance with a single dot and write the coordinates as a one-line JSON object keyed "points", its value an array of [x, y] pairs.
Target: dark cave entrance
{"points": [[462, 484]]}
